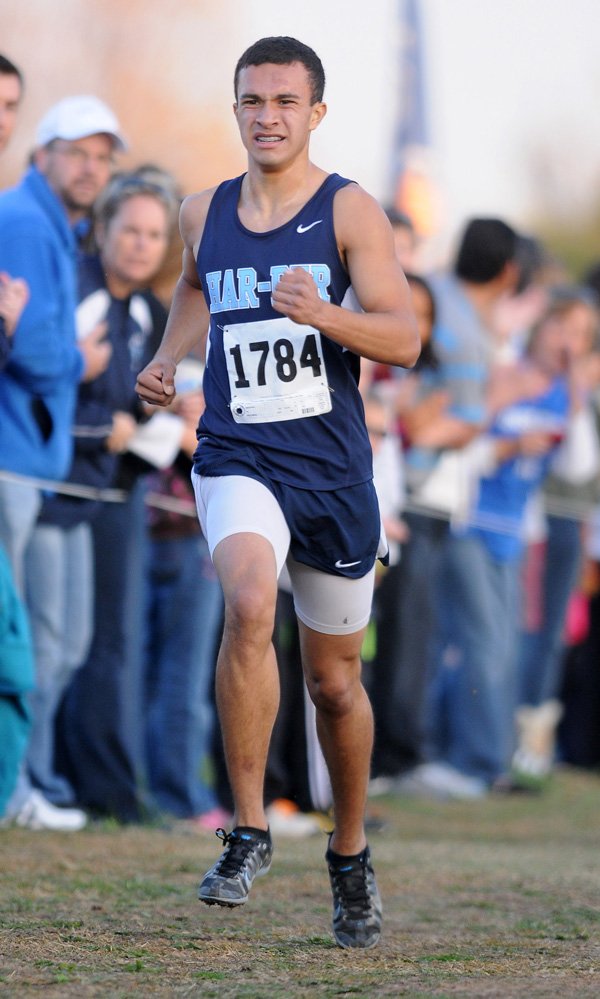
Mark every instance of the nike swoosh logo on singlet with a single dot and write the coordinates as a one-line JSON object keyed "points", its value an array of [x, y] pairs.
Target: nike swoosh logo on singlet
{"points": [[305, 228], [346, 565]]}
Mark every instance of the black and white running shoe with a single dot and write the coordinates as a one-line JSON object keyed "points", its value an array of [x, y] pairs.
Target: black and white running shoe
{"points": [[356, 901], [247, 855]]}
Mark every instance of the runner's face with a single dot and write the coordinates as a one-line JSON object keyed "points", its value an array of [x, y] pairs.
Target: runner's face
{"points": [[274, 112]]}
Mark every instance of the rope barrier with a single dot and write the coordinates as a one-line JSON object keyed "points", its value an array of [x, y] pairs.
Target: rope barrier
{"points": [[171, 504], [570, 509]]}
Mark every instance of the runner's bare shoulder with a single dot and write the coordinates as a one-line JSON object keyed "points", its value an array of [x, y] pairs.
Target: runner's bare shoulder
{"points": [[192, 217], [357, 213]]}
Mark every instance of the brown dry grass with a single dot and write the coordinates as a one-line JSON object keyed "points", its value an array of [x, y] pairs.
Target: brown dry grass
{"points": [[496, 898]]}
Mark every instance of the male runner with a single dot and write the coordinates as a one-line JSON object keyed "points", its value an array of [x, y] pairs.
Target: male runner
{"points": [[294, 271]]}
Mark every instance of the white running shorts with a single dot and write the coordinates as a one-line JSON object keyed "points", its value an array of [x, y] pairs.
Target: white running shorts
{"points": [[234, 504]]}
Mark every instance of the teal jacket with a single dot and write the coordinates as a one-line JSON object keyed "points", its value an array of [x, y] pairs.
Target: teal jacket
{"points": [[16, 657], [16, 679]]}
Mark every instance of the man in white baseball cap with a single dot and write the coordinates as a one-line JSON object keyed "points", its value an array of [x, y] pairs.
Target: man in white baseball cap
{"points": [[40, 220], [76, 118], [75, 143]]}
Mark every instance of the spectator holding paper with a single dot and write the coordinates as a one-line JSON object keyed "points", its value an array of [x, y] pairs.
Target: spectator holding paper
{"points": [[81, 546]]}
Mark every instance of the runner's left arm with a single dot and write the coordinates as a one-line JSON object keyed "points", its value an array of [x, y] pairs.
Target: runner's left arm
{"points": [[386, 331]]}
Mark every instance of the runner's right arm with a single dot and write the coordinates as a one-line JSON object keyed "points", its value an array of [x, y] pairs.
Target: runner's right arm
{"points": [[189, 317]]}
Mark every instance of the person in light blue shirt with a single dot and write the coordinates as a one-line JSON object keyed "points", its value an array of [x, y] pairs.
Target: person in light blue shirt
{"points": [[475, 686]]}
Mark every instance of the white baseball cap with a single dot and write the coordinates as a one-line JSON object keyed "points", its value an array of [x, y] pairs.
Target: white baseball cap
{"points": [[78, 117]]}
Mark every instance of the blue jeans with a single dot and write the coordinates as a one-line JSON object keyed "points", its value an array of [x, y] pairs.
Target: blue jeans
{"points": [[101, 721], [541, 652], [471, 698], [405, 610], [185, 608], [19, 507], [59, 574]]}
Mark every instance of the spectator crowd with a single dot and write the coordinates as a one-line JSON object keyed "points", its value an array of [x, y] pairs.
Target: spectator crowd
{"points": [[481, 658]]}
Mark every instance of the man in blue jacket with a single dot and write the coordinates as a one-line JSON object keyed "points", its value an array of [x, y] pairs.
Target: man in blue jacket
{"points": [[74, 149], [72, 162]]}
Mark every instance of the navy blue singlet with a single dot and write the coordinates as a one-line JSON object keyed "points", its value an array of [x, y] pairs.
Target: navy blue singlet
{"points": [[282, 391]]}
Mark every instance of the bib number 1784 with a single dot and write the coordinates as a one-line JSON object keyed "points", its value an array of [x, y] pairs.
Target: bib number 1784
{"points": [[276, 371], [285, 363]]}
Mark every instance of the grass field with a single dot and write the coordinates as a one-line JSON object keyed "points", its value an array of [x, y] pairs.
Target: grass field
{"points": [[493, 898]]}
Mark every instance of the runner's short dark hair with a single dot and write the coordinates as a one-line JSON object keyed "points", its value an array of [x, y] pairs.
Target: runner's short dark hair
{"points": [[283, 50]]}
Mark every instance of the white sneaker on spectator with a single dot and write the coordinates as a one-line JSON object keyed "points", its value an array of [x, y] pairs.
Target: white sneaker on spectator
{"points": [[286, 820], [536, 730], [382, 785], [442, 781], [37, 813]]}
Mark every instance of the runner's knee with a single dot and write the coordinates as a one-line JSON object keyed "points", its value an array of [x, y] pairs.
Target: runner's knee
{"points": [[250, 606], [333, 694]]}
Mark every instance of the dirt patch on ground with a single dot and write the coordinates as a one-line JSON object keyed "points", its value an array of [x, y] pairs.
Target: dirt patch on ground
{"points": [[494, 898]]}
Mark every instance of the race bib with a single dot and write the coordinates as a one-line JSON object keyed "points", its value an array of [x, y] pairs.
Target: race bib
{"points": [[276, 371]]}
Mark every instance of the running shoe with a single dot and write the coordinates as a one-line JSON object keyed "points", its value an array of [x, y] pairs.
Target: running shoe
{"points": [[247, 855], [356, 901]]}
